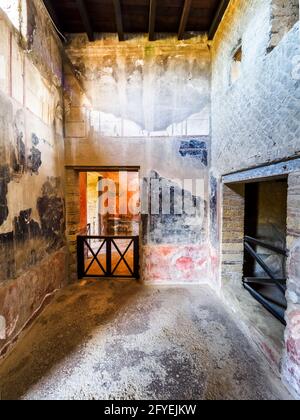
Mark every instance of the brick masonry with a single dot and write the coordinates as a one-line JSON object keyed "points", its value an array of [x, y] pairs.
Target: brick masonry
{"points": [[232, 234], [73, 227]]}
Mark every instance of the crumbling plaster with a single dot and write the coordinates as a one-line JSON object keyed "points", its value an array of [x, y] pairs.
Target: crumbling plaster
{"points": [[32, 221]]}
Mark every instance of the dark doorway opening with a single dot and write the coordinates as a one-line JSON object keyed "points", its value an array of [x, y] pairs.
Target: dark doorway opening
{"points": [[265, 244]]}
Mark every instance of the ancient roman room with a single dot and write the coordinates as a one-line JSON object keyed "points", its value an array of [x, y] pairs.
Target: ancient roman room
{"points": [[149, 202]]}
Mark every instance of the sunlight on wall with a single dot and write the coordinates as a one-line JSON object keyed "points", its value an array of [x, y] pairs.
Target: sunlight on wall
{"points": [[16, 10]]}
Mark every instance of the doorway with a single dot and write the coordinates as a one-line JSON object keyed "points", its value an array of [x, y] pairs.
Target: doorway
{"points": [[108, 245], [265, 244]]}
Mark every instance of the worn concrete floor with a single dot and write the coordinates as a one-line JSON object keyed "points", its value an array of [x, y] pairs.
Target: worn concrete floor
{"points": [[123, 340]]}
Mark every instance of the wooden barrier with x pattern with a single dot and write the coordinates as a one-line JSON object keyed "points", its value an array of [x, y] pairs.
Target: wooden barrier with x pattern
{"points": [[101, 256]]}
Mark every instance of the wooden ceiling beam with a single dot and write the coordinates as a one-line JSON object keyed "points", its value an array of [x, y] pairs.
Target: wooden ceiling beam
{"points": [[217, 19], [85, 19], [51, 10], [152, 19], [119, 20], [184, 18]]}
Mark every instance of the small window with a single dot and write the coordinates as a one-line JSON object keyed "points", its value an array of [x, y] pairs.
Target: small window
{"points": [[236, 65]]}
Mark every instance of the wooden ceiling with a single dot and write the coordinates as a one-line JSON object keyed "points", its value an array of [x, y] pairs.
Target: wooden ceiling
{"points": [[137, 16]]}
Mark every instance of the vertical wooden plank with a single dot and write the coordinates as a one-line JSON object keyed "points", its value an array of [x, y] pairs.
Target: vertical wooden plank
{"points": [[152, 18], [119, 20], [184, 18]]}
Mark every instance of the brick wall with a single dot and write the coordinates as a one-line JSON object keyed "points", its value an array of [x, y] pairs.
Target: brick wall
{"points": [[72, 219], [233, 235]]}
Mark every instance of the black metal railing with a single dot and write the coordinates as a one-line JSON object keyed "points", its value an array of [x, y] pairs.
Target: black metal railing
{"points": [[269, 291], [108, 256]]}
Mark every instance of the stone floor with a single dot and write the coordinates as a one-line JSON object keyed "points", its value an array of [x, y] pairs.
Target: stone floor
{"points": [[123, 340]]}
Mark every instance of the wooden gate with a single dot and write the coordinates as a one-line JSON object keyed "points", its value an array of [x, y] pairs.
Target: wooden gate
{"points": [[108, 256]]}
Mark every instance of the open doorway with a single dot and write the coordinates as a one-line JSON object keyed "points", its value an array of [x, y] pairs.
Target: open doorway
{"points": [[265, 244], [110, 223], [257, 209], [109, 219]]}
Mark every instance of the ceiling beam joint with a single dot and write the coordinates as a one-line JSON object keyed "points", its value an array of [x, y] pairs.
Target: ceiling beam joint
{"points": [[217, 19], [184, 18], [152, 19], [51, 10], [85, 19], [119, 20]]}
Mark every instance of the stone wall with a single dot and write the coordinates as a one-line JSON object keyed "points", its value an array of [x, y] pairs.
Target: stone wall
{"points": [[255, 121], [148, 107], [291, 361], [257, 118], [32, 221], [285, 14]]}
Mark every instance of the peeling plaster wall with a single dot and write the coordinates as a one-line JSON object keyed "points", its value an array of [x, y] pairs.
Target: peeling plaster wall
{"points": [[32, 221], [255, 121], [147, 105]]}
